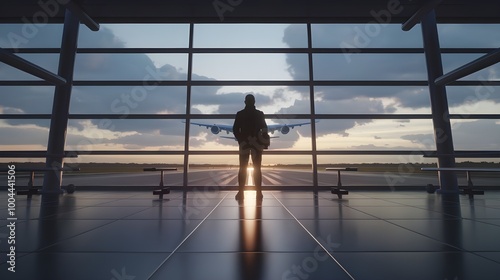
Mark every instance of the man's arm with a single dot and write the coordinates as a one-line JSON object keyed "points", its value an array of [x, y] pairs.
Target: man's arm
{"points": [[263, 122], [236, 127]]}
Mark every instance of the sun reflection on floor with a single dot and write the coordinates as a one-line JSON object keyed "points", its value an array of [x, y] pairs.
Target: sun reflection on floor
{"points": [[250, 176]]}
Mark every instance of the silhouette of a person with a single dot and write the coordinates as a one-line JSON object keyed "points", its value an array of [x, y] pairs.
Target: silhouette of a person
{"points": [[248, 127]]}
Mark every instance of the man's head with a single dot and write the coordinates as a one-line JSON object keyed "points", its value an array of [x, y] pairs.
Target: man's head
{"points": [[249, 100]]}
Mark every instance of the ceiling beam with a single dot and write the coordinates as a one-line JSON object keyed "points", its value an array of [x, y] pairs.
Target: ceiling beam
{"points": [[417, 17], [84, 18], [28, 67], [469, 68]]}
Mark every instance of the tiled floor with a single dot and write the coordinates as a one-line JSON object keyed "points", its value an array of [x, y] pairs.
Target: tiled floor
{"points": [[288, 235]]}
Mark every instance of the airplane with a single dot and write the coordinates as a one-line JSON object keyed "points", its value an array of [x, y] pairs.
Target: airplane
{"points": [[282, 128]]}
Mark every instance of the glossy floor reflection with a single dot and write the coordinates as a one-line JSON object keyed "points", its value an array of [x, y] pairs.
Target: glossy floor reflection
{"points": [[286, 235]]}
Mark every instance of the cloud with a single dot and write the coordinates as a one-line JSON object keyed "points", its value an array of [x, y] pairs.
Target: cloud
{"points": [[467, 135], [392, 66], [24, 135]]}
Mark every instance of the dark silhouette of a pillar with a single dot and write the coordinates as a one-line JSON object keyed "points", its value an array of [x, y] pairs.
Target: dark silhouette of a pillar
{"points": [[60, 108], [439, 105]]}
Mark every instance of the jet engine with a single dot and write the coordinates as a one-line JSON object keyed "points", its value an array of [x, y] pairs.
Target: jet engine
{"points": [[285, 129], [215, 129]]}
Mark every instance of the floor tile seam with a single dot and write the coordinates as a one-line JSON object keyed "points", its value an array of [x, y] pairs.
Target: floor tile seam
{"points": [[143, 210], [427, 236], [187, 237], [43, 249], [239, 251], [363, 212], [402, 227], [99, 252], [73, 236], [315, 240], [435, 211], [477, 253], [484, 221], [451, 217]]}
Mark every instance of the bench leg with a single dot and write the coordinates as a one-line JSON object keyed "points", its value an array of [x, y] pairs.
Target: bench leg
{"points": [[31, 182], [161, 178], [339, 182], [469, 180], [339, 192]]}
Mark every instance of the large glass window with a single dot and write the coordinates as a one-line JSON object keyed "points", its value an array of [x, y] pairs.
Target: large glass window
{"points": [[24, 134], [356, 36], [136, 85], [149, 68], [250, 36], [249, 66], [125, 100], [136, 36], [365, 134], [125, 134], [372, 100], [26, 99], [392, 67]]}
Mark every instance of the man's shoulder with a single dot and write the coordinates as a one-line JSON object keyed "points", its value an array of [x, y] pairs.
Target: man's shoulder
{"points": [[249, 111]]}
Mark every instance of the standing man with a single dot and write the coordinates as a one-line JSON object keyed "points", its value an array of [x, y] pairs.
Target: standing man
{"points": [[250, 129]]}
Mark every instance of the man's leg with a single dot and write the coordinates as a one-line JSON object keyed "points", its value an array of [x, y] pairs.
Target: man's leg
{"points": [[242, 173], [257, 173]]}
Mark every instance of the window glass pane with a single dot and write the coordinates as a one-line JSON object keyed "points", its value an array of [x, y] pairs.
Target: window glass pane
{"points": [[124, 170], [125, 134], [287, 170], [48, 62], [364, 36], [289, 134], [376, 170], [230, 99], [476, 134], [369, 67], [372, 100], [482, 99], [478, 35], [16, 36], [145, 67], [26, 99], [212, 134], [136, 36], [24, 134], [250, 36], [218, 135], [374, 135], [249, 66], [128, 100], [454, 61], [277, 170]]}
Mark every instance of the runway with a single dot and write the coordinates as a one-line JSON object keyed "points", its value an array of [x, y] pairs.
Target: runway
{"points": [[272, 178]]}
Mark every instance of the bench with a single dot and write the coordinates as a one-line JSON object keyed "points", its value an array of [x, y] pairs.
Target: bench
{"points": [[466, 190], [32, 170], [338, 190], [163, 190]]}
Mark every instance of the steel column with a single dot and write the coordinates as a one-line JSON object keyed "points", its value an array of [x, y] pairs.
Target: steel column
{"points": [[60, 108], [439, 105]]}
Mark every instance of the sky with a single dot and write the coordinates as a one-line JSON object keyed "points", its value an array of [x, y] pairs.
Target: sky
{"points": [[350, 134]]}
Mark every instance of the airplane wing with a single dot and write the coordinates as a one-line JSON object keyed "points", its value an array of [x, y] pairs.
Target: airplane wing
{"points": [[216, 128], [284, 128]]}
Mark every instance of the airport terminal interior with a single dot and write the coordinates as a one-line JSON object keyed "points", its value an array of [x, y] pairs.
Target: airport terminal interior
{"points": [[118, 158]]}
